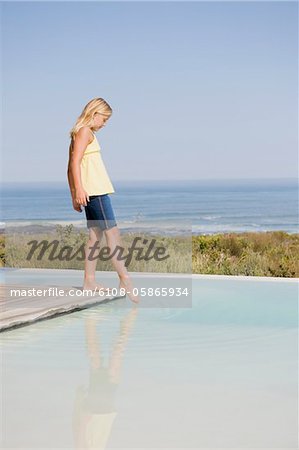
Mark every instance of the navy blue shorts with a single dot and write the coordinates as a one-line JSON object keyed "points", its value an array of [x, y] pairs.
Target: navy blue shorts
{"points": [[99, 212]]}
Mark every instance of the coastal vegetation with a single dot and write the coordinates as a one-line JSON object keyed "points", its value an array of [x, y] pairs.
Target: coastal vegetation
{"points": [[268, 254]]}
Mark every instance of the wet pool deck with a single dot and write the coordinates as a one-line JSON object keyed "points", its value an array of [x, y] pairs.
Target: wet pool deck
{"points": [[21, 310]]}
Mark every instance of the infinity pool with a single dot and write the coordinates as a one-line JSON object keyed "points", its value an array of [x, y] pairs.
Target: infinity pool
{"points": [[220, 374]]}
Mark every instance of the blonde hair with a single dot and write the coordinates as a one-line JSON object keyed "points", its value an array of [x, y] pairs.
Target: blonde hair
{"points": [[96, 105]]}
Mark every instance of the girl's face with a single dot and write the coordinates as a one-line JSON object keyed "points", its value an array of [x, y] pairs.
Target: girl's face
{"points": [[99, 120]]}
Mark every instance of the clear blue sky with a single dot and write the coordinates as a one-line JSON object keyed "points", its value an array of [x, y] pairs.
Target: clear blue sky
{"points": [[199, 90]]}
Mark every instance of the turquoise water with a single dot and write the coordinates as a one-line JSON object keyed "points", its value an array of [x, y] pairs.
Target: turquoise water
{"points": [[220, 374]]}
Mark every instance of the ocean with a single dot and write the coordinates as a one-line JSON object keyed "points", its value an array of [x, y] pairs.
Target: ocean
{"points": [[192, 206]]}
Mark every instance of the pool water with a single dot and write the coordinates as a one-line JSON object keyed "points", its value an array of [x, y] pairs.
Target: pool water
{"points": [[220, 374]]}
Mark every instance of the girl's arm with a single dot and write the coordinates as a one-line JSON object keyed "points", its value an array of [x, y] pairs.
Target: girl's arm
{"points": [[72, 188], [70, 176], [74, 172]]}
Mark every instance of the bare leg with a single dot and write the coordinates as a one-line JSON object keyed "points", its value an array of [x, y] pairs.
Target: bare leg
{"points": [[113, 240], [95, 236]]}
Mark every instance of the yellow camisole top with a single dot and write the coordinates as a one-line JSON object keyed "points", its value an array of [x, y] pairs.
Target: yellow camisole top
{"points": [[94, 177]]}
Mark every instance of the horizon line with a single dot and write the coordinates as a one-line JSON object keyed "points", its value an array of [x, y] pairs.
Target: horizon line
{"points": [[156, 180]]}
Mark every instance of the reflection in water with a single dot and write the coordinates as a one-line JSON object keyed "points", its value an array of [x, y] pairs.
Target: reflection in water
{"points": [[94, 409]]}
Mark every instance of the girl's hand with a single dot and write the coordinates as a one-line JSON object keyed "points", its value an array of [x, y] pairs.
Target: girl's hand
{"points": [[81, 197], [76, 206]]}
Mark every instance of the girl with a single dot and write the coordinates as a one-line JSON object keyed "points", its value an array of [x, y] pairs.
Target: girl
{"points": [[90, 187]]}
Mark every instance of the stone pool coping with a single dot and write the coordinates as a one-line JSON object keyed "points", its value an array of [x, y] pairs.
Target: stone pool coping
{"points": [[150, 274], [22, 311]]}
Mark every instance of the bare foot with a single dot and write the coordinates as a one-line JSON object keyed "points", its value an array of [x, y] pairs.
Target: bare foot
{"points": [[94, 285], [126, 283]]}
